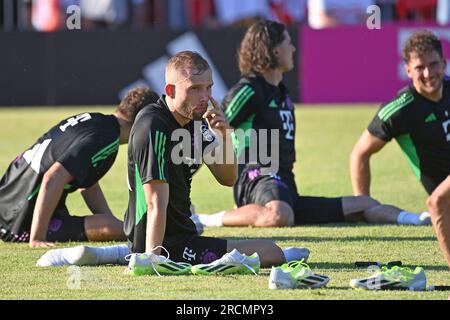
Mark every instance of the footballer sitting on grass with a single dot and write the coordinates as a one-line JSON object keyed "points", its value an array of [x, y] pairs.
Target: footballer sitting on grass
{"points": [[266, 195], [73, 155], [158, 214]]}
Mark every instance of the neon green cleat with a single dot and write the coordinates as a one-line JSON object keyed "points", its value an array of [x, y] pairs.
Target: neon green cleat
{"points": [[395, 278], [231, 263], [151, 264], [295, 274]]}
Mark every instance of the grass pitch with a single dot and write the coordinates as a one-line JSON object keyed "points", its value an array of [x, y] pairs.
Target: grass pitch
{"points": [[325, 137]]}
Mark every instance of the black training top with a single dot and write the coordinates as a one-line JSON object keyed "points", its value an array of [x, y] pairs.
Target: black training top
{"points": [[86, 145], [255, 104], [421, 128], [160, 149]]}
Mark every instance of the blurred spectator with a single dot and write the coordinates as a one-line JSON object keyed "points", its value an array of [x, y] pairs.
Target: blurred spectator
{"points": [[22, 14], [64, 4], [201, 13], [114, 13], [50, 15], [45, 15], [289, 12], [241, 13], [105, 13], [443, 12], [157, 10], [140, 13], [2, 14], [387, 9], [331, 13], [176, 14], [416, 10]]}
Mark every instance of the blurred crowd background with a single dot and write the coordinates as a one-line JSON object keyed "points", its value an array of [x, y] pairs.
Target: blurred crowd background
{"points": [[51, 15]]}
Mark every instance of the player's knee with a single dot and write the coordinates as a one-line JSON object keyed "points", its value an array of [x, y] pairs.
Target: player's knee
{"points": [[113, 228], [277, 216], [437, 202]]}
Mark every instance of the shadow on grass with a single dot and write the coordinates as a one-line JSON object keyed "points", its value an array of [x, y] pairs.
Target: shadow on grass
{"points": [[351, 267], [331, 265], [340, 239]]}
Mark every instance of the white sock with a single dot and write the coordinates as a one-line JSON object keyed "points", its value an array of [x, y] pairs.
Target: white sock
{"points": [[425, 218], [296, 253], [52, 258], [212, 220], [111, 254], [84, 256], [405, 217]]}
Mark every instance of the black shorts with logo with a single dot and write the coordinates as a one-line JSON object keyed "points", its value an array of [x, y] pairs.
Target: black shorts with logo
{"points": [[194, 249], [62, 228], [253, 187]]}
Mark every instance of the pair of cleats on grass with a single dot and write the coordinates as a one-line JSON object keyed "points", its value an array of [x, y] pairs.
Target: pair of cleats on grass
{"points": [[297, 274], [231, 263], [291, 275]]}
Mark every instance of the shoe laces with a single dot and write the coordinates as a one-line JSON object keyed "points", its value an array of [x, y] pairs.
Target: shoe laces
{"points": [[152, 263], [298, 269], [294, 264], [228, 258]]}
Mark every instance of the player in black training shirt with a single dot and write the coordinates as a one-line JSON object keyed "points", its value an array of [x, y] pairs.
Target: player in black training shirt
{"points": [[73, 155], [266, 194], [163, 150], [159, 205], [419, 119]]}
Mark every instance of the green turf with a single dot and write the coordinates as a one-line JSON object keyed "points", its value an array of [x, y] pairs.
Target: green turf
{"points": [[325, 137]]}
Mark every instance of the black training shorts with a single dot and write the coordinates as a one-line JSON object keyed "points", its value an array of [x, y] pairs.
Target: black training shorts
{"points": [[194, 249], [253, 187]]}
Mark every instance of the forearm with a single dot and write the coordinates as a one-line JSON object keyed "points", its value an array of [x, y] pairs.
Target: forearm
{"points": [[360, 174], [225, 166], [95, 200], [156, 226], [46, 203], [157, 198]]}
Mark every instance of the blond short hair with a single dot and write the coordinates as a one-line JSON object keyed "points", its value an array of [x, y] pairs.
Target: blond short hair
{"points": [[187, 62]]}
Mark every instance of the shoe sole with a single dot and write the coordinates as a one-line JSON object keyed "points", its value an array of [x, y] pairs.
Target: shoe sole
{"points": [[223, 269], [163, 269], [418, 286], [282, 280]]}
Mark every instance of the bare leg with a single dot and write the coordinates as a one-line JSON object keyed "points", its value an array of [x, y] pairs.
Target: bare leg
{"points": [[439, 207], [269, 253], [104, 227], [354, 207], [365, 208], [273, 214]]}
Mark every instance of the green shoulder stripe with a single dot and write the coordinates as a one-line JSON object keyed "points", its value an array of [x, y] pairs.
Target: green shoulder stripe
{"points": [[388, 110], [238, 101], [160, 149], [242, 135], [105, 152], [407, 145], [141, 203]]}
